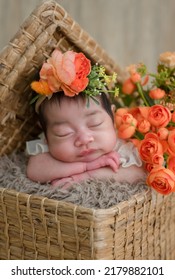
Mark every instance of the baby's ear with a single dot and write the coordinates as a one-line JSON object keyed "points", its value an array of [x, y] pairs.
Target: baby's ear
{"points": [[113, 108]]}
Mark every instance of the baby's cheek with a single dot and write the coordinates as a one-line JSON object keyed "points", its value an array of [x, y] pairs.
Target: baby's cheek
{"points": [[63, 153]]}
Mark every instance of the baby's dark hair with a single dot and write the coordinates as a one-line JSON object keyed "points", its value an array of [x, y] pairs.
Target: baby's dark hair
{"points": [[56, 98]]}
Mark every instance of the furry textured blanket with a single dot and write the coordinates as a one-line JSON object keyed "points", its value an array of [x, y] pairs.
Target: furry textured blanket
{"points": [[98, 194]]}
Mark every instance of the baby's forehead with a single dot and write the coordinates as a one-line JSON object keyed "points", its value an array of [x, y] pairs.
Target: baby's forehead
{"points": [[77, 102], [71, 107]]}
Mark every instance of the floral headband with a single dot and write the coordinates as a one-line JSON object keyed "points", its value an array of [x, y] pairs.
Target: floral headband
{"points": [[71, 73]]}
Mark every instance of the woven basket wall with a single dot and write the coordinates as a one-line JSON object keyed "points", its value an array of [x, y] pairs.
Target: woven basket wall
{"points": [[33, 227]]}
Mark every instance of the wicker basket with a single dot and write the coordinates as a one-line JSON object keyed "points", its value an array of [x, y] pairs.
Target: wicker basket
{"points": [[33, 227]]}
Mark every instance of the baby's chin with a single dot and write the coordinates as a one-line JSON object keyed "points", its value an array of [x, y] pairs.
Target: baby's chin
{"points": [[90, 156]]}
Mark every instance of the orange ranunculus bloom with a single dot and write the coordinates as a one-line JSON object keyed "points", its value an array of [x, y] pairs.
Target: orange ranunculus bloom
{"points": [[118, 115], [143, 126], [171, 163], [127, 127], [173, 117], [135, 77], [159, 116], [128, 86], [157, 93], [150, 146], [162, 180], [67, 72], [157, 159], [149, 166], [139, 113], [163, 133], [171, 140], [126, 130], [129, 119]]}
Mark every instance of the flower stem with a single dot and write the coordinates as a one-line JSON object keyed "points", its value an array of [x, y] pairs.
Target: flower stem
{"points": [[140, 91]]}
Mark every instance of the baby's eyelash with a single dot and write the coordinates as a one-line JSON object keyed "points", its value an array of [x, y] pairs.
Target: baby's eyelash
{"points": [[63, 135], [95, 125]]}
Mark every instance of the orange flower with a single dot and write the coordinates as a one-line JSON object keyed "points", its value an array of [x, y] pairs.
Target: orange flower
{"points": [[159, 116], [118, 115], [149, 166], [135, 77], [129, 119], [157, 93], [126, 131], [163, 133], [41, 87], [67, 72], [173, 117], [127, 126], [128, 86], [162, 180], [171, 163], [171, 140], [139, 113], [150, 146], [157, 159], [143, 126]]}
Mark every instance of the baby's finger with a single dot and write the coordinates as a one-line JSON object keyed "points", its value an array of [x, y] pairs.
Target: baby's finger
{"points": [[113, 164]]}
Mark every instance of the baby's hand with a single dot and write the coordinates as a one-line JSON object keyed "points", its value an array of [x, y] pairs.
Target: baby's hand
{"points": [[67, 182], [111, 159]]}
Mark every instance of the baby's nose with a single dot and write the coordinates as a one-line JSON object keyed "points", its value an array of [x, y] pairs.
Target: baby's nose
{"points": [[83, 139]]}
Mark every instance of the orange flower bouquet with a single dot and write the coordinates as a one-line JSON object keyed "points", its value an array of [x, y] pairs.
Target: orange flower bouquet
{"points": [[147, 118]]}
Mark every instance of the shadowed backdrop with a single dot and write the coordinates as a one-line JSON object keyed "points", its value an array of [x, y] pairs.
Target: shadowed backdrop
{"points": [[130, 31]]}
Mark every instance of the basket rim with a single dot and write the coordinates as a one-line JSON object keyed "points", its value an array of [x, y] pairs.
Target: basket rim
{"points": [[140, 198]]}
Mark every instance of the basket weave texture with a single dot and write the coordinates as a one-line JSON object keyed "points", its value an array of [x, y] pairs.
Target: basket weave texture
{"points": [[40, 228], [33, 227]]}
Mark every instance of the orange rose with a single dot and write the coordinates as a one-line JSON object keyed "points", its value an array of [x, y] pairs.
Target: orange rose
{"points": [[129, 119], [139, 113], [143, 126], [173, 117], [128, 86], [159, 116], [150, 146], [126, 130], [118, 115], [67, 72], [127, 127], [82, 68], [163, 133], [157, 93], [162, 180], [171, 163], [149, 166], [157, 159], [171, 140], [135, 77]]}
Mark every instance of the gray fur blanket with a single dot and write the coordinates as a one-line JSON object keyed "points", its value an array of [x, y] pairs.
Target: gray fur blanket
{"points": [[98, 194]]}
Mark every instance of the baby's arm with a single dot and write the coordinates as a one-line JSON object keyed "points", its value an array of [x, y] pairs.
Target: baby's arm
{"points": [[44, 168], [129, 175]]}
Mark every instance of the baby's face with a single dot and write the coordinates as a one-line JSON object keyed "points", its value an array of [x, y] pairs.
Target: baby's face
{"points": [[77, 133]]}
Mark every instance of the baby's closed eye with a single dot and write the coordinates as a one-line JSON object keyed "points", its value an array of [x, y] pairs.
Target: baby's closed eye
{"points": [[95, 122], [63, 132]]}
